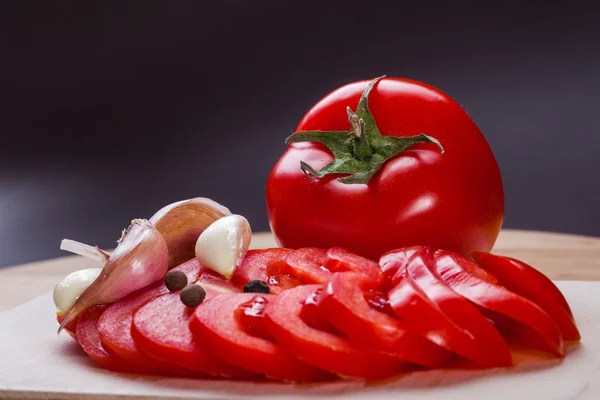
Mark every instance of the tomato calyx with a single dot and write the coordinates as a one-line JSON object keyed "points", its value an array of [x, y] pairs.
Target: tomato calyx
{"points": [[363, 150]]}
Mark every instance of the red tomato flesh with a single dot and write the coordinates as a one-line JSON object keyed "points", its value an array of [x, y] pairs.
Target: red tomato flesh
{"points": [[115, 323], [214, 283], [393, 264], [89, 340], [215, 324], [313, 265], [338, 259], [71, 328], [528, 282], [323, 349], [161, 330], [307, 264], [431, 308], [265, 265], [250, 317], [313, 314], [459, 274], [345, 306]]}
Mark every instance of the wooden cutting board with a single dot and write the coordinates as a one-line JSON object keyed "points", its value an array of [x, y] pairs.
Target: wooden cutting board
{"points": [[36, 363]]}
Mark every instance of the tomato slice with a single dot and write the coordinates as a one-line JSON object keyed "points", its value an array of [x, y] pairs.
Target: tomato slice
{"points": [[214, 283], [323, 349], [469, 281], [526, 281], [393, 263], [338, 259], [314, 265], [345, 306], [114, 326], [250, 317], [215, 323], [71, 327], [313, 315], [265, 265], [307, 264], [161, 330], [430, 308], [89, 339]]}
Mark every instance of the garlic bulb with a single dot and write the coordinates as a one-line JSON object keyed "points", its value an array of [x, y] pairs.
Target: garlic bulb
{"points": [[223, 245], [181, 224], [146, 250], [141, 258]]}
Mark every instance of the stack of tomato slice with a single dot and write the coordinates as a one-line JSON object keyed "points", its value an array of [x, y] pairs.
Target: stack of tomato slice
{"points": [[333, 314]]}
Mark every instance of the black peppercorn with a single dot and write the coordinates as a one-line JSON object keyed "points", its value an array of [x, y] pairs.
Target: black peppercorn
{"points": [[192, 295], [257, 286], [175, 280]]}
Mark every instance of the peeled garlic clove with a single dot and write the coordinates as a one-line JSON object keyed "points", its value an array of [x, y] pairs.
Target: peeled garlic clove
{"points": [[69, 288], [181, 223], [223, 245], [141, 258]]}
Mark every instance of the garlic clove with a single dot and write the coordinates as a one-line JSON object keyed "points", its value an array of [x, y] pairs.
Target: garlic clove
{"points": [[69, 288], [181, 224], [145, 252], [223, 245], [141, 258]]}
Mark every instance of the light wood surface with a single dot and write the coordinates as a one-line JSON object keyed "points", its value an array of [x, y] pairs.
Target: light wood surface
{"points": [[560, 256]]}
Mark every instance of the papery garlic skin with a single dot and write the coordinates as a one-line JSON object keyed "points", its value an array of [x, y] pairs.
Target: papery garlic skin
{"points": [[69, 288], [182, 222], [223, 245], [141, 258], [92, 252]]}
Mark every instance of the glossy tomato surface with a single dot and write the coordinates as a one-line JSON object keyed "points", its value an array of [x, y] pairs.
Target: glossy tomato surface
{"points": [[452, 200], [530, 283], [218, 325]]}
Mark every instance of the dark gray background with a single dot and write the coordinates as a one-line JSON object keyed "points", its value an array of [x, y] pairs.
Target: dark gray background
{"points": [[110, 110]]}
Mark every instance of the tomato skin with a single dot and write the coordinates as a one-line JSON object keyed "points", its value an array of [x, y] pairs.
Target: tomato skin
{"points": [[462, 276], [393, 263], [345, 306], [528, 282], [432, 309], [452, 200]]}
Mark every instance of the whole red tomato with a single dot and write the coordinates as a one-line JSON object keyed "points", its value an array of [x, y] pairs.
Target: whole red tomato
{"points": [[416, 194]]}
